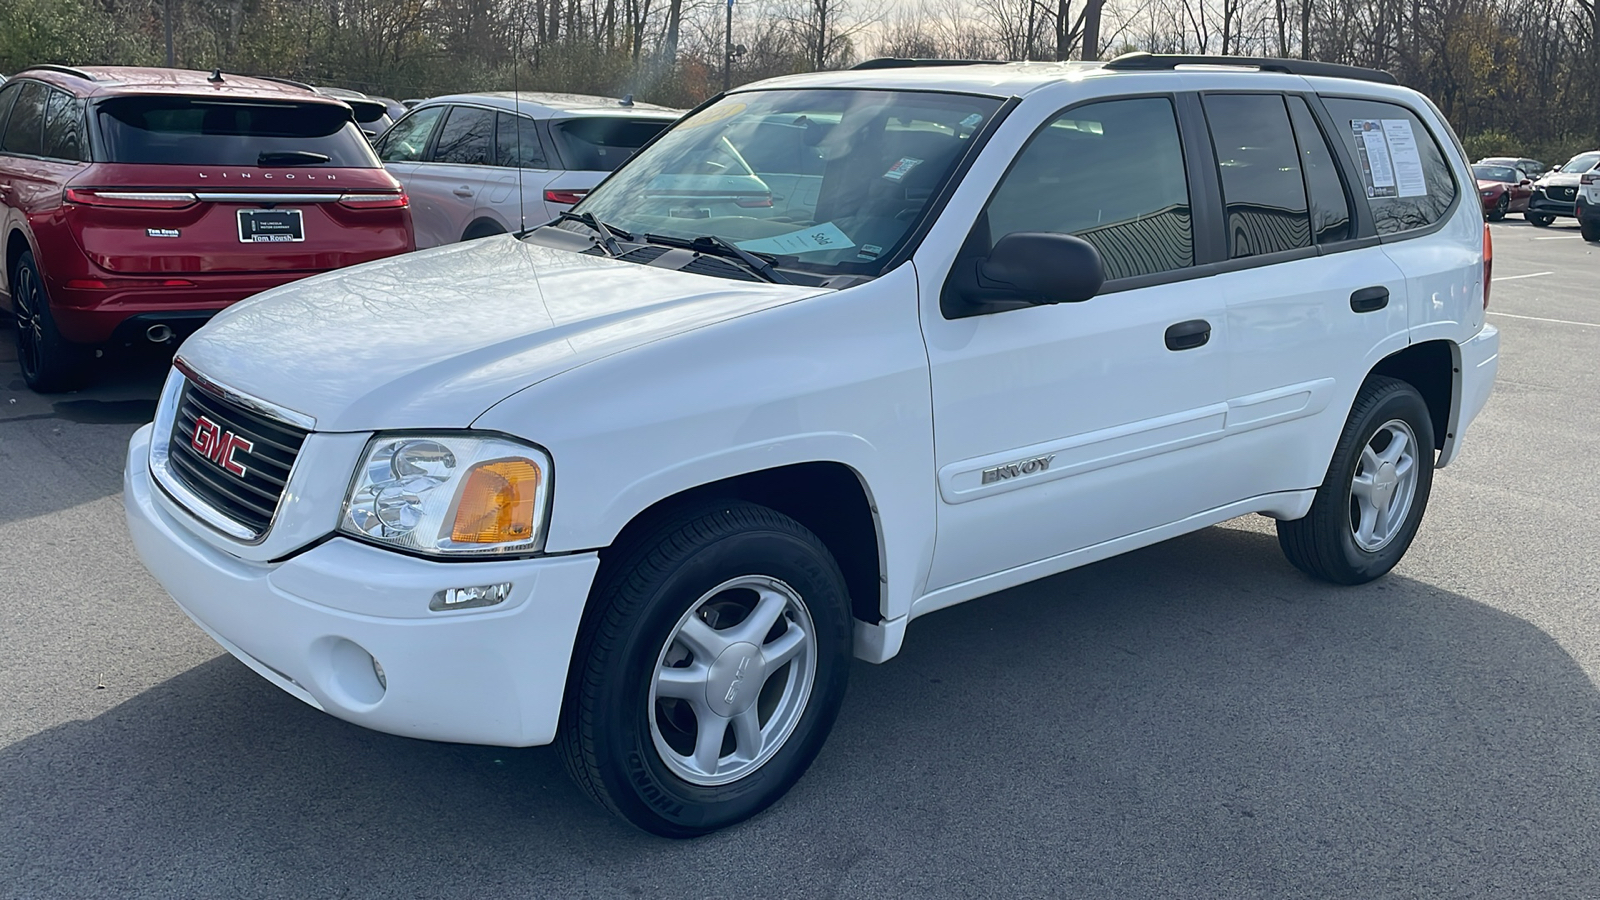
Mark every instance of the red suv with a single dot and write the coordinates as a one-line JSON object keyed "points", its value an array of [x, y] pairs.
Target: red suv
{"points": [[135, 203]]}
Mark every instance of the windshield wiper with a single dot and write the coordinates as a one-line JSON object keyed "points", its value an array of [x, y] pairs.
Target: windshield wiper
{"points": [[608, 236], [713, 245], [291, 158]]}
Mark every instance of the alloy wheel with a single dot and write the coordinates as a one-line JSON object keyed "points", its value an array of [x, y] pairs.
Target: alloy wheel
{"points": [[1384, 486]]}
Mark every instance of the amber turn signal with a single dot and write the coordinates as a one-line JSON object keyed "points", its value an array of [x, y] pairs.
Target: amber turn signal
{"points": [[498, 503]]}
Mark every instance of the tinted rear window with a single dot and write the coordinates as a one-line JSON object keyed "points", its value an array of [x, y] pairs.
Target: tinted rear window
{"points": [[601, 143], [192, 131]]}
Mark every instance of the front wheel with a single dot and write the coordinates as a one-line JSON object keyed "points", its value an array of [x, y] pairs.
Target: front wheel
{"points": [[1538, 220], [1371, 501], [712, 673], [1500, 208]]}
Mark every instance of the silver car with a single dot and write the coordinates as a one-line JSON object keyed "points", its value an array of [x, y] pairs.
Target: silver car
{"points": [[482, 164]]}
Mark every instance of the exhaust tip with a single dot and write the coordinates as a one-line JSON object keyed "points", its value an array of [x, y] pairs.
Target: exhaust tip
{"points": [[158, 334]]}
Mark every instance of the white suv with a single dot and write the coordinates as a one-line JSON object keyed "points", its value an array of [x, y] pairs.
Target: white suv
{"points": [[476, 165], [644, 481]]}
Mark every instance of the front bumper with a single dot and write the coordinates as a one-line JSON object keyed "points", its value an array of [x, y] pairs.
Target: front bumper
{"points": [[1539, 203], [312, 625]]}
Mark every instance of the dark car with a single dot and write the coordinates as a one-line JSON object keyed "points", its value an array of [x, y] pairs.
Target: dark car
{"points": [[1532, 167], [1556, 194], [135, 203], [1503, 189]]}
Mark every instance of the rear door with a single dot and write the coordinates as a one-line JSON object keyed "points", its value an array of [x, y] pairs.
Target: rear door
{"points": [[448, 186], [222, 184], [41, 150], [516, 189]]}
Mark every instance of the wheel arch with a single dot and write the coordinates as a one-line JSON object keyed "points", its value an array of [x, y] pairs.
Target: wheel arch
{"points": [[483, 226], [829, 498], [1434, 369], [16, 244]]}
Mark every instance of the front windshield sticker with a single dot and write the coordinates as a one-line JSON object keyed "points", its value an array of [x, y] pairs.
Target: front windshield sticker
{"points": [[902, 168], [971, 121], [1391, 165], [826, 236]]}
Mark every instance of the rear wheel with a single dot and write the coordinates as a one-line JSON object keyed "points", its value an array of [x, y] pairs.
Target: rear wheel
{"points": [[1590, 229], [49, 362], [1371, 501], [712, 673], [1538, 220], [482, 229]]}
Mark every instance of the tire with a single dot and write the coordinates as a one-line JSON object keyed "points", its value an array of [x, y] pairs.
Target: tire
{"points": [[1538, 220], [1499, 211], [1328, 542], [482, 230], [1590, 229], [639, 751], [49, 362]]}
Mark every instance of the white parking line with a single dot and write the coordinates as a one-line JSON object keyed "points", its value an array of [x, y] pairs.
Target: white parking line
{"points": [[1560, 237], [1552, 321], [1515, 277]]}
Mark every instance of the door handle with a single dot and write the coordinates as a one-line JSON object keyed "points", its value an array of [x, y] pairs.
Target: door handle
{"points": [[1188, 335], [462, 191], [1369, 299]]}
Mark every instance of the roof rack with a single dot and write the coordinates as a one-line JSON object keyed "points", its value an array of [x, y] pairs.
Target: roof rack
{"points": [[894, 62], [64, 70], [1150, 62]]}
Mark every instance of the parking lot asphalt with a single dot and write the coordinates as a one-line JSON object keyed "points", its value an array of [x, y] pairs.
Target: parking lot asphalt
{"points": [[1195, 719]]}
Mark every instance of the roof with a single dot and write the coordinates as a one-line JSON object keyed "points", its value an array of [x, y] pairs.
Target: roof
{"points": [[111, 81], [542, 104]]}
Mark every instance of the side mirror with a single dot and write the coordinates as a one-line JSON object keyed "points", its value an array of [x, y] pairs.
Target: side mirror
{"points": [[1524, 182], [1025, 268]]}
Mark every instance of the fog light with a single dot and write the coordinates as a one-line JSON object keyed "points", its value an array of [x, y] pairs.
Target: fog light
{"points": [[470, 597], [377, 669]]}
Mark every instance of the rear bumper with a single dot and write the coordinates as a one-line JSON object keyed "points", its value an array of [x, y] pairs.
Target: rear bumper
{"points": [[93, 315], [1480, 361]]}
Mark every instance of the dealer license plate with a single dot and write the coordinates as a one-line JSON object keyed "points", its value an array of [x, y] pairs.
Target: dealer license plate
{"points": [[271, 226]]}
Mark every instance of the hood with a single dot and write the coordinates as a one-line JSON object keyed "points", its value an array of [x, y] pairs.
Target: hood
{"points": [[1561, 179], [432, 339], [1485, 184]]}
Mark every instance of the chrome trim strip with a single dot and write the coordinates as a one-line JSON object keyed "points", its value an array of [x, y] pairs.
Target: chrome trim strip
{"points": [[231, 197], [254, 404]]}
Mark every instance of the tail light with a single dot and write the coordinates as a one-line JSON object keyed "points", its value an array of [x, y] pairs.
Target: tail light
{"points": [[565, 197], [1488, 263], [1590, 177], [131, 199], [377, 200]]}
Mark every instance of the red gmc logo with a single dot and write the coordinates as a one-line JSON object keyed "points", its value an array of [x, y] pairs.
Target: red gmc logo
{"points": [[213, 443]]}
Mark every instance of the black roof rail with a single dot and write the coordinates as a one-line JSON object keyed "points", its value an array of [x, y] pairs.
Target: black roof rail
{"points": [[291, 83], [895, 62], [1151, 62], [64, 70]]}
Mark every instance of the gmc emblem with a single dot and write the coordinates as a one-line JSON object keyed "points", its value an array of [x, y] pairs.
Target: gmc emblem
{"points": [[219, 446]]}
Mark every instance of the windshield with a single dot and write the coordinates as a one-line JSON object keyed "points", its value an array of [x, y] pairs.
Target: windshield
{"points": [[1494, 173], [829, 181], [217, 132], [1581, 163]]}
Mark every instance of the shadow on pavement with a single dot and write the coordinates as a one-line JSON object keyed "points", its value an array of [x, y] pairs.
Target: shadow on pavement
{"points": [[1191, 720]]}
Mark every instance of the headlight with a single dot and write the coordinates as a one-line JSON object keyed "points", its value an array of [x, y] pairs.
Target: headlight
{"points": [[450, 494]]}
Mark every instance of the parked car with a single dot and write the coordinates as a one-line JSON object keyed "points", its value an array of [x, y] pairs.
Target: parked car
{"points": [[1588, 205], [1037, 316], [482, 164], [1502, 189], [1556, 194], [372, 115], [135, 203], [1532, 167], [394, 108]]}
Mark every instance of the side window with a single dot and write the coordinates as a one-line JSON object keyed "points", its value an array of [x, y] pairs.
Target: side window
{"points": [[8, 96], [1111, 173], [408, 139], [1403, 172], [1262, 186], [25, 129], [1330, 208], [517, 143], [63, 128], [467, 138]]}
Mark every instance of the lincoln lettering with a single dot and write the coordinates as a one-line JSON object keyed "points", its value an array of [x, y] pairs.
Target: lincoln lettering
{"points": [[1028, 466]]}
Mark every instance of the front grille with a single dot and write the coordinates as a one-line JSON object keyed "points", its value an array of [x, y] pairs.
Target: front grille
{"points": [[1562, 194], [236, 460]]}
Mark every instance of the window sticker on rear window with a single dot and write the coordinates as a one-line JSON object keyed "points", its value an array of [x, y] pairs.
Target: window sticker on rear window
{"points": [[1391, 165]]}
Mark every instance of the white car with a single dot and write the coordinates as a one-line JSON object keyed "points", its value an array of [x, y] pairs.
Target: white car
{"points": [[643, 483], [481, 164]]}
